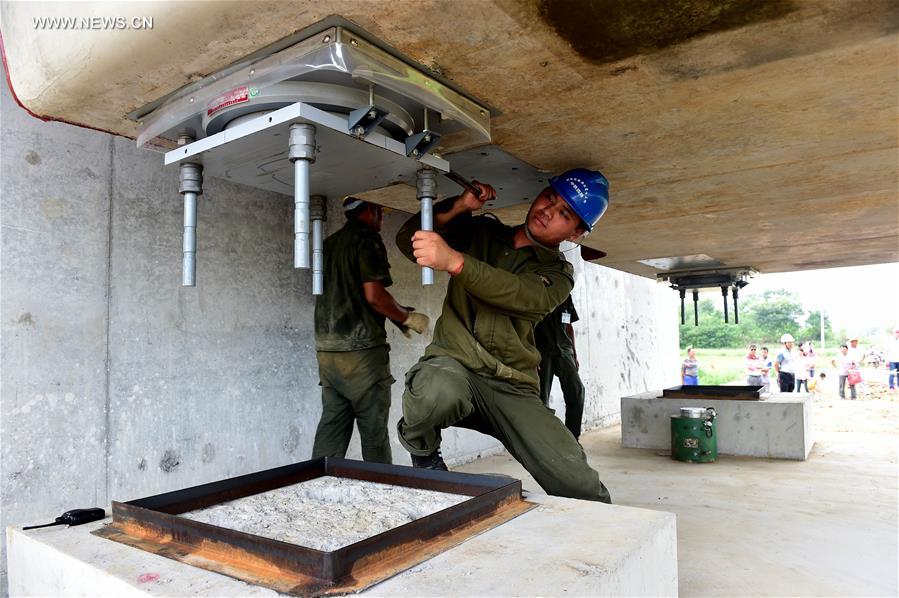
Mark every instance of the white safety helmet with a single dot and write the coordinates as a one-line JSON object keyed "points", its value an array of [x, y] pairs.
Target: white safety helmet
{"points": [[787, 338]]}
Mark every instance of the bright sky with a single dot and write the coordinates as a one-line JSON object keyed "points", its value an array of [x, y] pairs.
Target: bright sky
{"points": [[858, 298]]}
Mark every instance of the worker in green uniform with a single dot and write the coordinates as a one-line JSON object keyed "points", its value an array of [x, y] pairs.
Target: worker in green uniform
{"points": [[554, 336], [350, 341], [480, 370]]}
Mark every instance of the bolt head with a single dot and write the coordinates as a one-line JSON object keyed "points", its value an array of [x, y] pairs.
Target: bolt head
{"points": [[359, 130], [372, 114], [427, 138], [415, 152]]}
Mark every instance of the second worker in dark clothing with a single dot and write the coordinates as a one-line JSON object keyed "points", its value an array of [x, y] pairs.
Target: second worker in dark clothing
{"points": [[554, 336], [350, 341]]}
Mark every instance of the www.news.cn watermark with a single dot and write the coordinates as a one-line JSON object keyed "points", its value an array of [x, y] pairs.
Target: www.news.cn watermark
{"points": [[92, 23]]}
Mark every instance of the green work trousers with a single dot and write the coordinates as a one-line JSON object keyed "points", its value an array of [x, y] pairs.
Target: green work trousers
{"points": [[355, 387], [441, 392], [563, 366]]}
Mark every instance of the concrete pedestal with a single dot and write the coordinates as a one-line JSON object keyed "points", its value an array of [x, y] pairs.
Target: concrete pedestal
{"points": [[777, 427], [565, 546]]}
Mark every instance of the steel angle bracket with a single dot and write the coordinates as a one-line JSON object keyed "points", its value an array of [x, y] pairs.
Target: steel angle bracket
{"points": [[362, 121], [418, 145]]}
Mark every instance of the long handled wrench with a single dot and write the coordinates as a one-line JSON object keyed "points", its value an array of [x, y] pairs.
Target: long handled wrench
{"points": [[462, 182]]}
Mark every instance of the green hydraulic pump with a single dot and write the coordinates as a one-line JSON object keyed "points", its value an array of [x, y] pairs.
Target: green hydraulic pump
{"points": [[694, 435]]}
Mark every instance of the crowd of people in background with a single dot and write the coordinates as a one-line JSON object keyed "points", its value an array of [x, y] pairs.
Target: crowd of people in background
{"points": [[795, 366]]}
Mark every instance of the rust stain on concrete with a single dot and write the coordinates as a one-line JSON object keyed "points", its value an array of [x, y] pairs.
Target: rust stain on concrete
{"points": [[610, 30]]}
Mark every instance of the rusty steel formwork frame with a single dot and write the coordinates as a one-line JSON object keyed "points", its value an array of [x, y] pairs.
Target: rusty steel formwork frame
{"points": [[153, 524], [701, 391]]}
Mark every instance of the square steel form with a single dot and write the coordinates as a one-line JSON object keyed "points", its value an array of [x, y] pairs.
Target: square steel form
{"points": [[153, 524], [700, 391]]}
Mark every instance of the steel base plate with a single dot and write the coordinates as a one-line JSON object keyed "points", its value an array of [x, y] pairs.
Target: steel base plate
{"points": [[254, 153], [701, 391], [516, 182]]}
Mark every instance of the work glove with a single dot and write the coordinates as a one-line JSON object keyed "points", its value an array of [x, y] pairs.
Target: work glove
{"points": [[414, 321]]}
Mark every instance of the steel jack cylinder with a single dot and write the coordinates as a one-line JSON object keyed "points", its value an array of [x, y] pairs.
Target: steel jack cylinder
{"points": [[319, 213], [302, 154], [696, 308], [427, 191], [191, 186], [724, 294]]}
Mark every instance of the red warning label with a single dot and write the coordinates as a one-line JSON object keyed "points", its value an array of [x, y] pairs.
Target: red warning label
{"points": [[238, 95]]}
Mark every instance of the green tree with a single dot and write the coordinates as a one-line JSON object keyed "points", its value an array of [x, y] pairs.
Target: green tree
{"points": [[772, 314], [763, 318], [811, 330], [712, 332]]}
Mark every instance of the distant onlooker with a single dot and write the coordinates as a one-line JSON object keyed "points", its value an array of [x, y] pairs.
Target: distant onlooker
{"points": [[843, 362], [859, 358], [766, 369], [816, 385], [810, 359], [855, 352], [785, 364], [893, 359], [689, 370], [753, 367], [801, 369]]}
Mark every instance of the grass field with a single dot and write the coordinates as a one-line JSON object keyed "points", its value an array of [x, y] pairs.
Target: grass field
{"points": [[720, 366], [725, 366]]}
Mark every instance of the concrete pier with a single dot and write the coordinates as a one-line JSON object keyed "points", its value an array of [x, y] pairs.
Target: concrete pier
{"points": [[584, 548], [777, 427]]}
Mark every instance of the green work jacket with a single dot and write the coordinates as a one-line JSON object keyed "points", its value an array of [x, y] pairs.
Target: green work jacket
{"points": [[488, 316], [344, 321]]}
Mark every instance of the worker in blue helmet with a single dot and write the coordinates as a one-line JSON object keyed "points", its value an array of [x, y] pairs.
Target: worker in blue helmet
{"points": [[586, 191], [480, 370]]}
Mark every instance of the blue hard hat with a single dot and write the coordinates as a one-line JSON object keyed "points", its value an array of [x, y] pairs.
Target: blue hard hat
{"points": [[586, 191]]}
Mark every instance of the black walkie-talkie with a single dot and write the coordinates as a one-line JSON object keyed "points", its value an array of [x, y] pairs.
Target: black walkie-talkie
{"points": [[74, 517]]}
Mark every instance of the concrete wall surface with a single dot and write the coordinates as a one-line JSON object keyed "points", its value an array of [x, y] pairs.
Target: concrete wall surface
{"points": [[119, 383]]}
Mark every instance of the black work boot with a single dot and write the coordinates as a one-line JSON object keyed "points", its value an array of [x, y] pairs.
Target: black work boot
{"points": [[432, 461]]}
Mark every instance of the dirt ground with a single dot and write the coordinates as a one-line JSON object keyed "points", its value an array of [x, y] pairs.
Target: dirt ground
{"points": [[876, 409], [769, 527]]}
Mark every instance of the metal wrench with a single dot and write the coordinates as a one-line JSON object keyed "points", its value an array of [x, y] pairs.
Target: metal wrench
{"points": [[462, 182]]}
